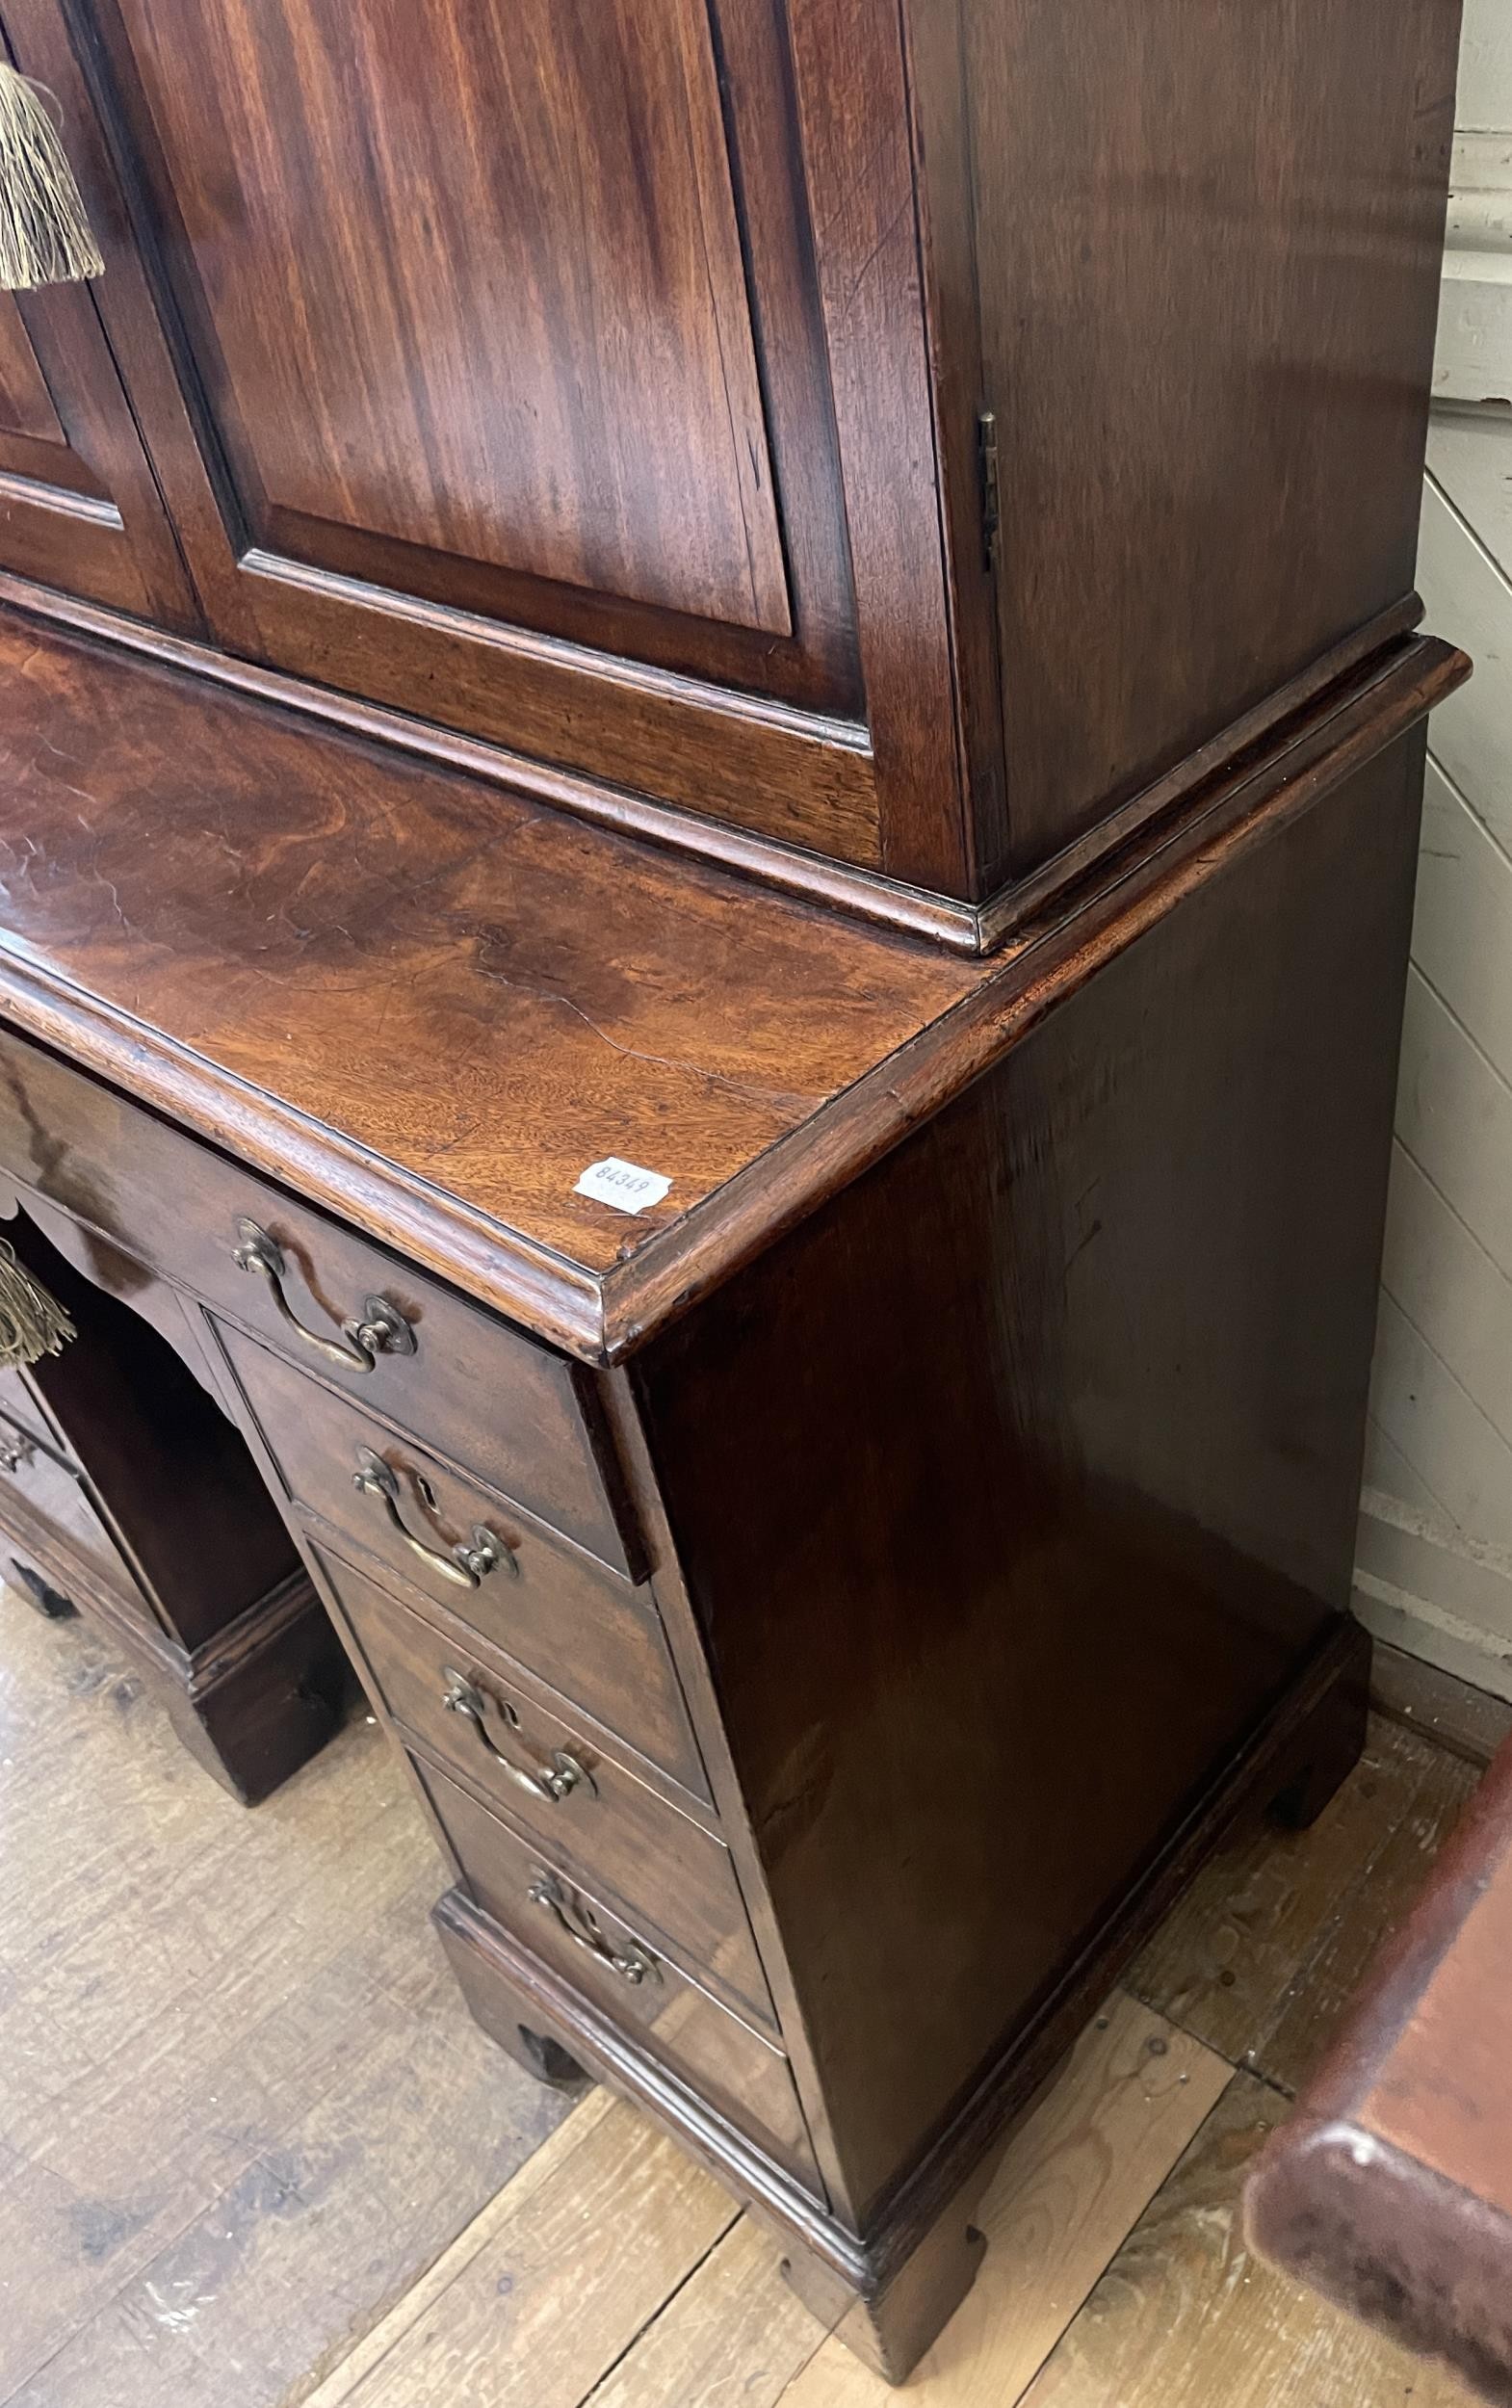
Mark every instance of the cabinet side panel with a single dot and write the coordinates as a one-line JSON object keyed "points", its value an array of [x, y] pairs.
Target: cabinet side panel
{"points": [[1208, 256], [1051, 1428]]}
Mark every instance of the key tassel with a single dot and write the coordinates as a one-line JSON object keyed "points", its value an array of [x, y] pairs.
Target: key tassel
{"points": [[32, 1322], [46, 235]]}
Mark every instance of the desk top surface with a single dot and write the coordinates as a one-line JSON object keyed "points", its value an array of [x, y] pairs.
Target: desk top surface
{"points": [[431, 1005]]}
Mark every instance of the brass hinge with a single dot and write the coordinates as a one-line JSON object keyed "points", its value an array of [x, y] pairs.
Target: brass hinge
{"points": [[991, 491]]}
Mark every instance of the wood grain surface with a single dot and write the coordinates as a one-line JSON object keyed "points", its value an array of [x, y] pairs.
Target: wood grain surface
{"points": [[539, 408], [517, 997], [1081, 2169], [1258, 1959], [1184, 2317], [204, 2189], [1390, 2190], [434, 1007], [205, 2193], [548, 458], [1212, 240], [546, 2292]]}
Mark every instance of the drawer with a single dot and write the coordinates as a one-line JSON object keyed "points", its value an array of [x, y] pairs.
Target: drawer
{"points": [[594, 1638], [42, 1500], [588, 1815], [509, 1410], [564, 1924]]}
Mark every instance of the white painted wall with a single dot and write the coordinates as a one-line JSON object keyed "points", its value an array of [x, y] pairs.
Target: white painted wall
{"points": [[1434, 1570]]}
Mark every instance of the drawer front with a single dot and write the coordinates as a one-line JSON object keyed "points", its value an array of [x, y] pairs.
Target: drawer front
{"points": [[509, 1410], [589, 1816], [595, 1639], [739, 2074], [52, 1504]]}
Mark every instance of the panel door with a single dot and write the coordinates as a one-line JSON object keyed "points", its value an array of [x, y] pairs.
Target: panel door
{"points": [[507, 357], [79, 507]]}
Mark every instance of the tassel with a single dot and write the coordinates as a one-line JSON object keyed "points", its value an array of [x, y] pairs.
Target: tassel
{"points": [[46, 235], [32, 1322]]}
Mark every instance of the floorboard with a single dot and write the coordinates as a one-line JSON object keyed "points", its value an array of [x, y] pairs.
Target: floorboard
{"points": [[253, 2153], [1242, 1944], [1079, 2174], [570, 2269], [1184, 2317], [242, 2105]]}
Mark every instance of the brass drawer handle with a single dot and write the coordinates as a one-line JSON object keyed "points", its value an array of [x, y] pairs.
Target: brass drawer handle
{"points": [[462, 1563], [554, 1780], [15, 1453], [632, 1963], [381, 1329]]}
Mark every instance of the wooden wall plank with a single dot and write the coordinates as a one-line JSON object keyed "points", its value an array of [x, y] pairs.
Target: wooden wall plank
{"points": [[1439, 1274], [1387, 1468], [1466, 595], [1469, 460], [1468, 1582], [1454, 1119], [1463, 918], [1439, 1458], [1444, 1434], [1485, 89]]}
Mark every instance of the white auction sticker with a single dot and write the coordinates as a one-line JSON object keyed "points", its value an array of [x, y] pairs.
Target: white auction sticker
{"points": [[624, 1185]]}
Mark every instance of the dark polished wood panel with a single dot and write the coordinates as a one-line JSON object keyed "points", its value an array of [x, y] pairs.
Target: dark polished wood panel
{"points": [[586, 996], [1087, 1351], [674, 279], [187, 1507], [853, 102], [742, 2076], [140, 1504], [898, 446], [646, 453], [469, 282], [26, 406], [596, 1638], [80, 508], [1208, 266], [1059, 1412], [52, 1496], [607, 1827], [143, 1198], [433, 965]]}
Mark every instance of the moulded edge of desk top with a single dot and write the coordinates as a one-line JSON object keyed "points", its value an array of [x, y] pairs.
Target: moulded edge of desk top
{"points": [[601, 1318]]}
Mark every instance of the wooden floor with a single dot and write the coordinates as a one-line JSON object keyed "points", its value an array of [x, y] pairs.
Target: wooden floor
{"points": [[252, 2151]]}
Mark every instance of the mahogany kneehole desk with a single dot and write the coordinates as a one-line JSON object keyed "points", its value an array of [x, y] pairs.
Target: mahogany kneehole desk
{"points": [[828, 615], [826, 1613]]}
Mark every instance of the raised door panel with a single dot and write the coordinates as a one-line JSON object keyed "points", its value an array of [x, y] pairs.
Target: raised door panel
{"points": [[79, 507], [28, 412], [467, 280], [512, 381]]}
